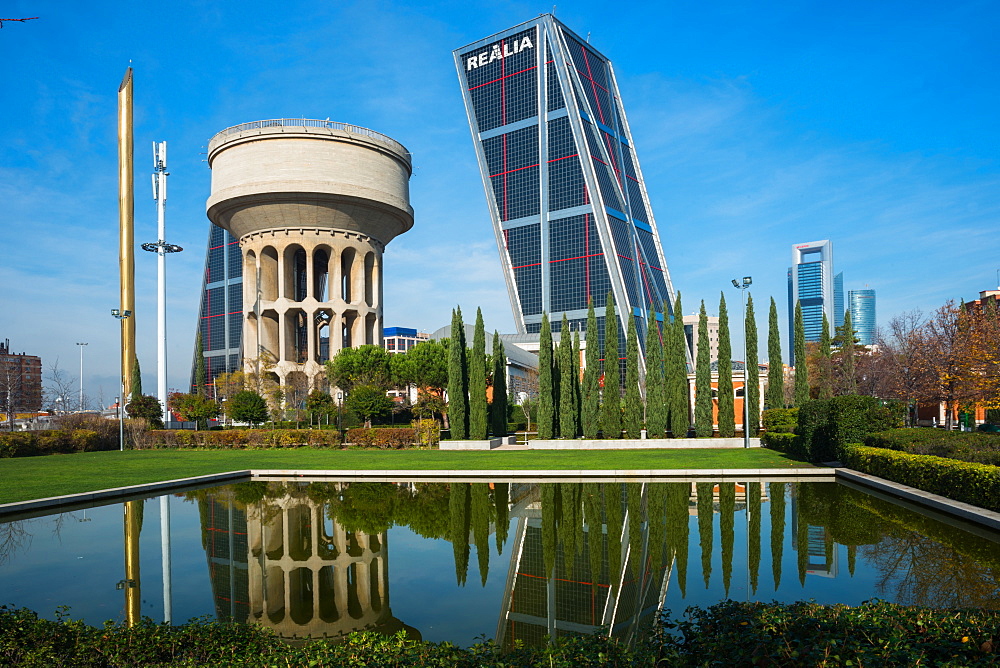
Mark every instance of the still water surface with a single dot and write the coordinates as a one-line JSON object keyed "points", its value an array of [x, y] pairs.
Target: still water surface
{"points": [[465, 561]]}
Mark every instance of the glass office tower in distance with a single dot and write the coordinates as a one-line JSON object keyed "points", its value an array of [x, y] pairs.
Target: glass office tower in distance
{"points": [[570, 210], [862, 305], [811, 283]]}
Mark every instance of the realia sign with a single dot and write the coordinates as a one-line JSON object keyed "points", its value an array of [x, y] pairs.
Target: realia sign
{"points": [[498, 51]]}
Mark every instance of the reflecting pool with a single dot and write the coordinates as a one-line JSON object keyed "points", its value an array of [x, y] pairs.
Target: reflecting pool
{"points": [[514, 561]]}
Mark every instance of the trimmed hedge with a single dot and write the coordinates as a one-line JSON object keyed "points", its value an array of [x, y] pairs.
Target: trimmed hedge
{"points": [[976, 484], [978, 447], [827, 425], [236, 439], [781, 420], [56, 441], [790, 444], [383, 438]]}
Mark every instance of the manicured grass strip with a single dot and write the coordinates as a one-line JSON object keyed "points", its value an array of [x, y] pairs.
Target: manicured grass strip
{"points": [[25, 478]]}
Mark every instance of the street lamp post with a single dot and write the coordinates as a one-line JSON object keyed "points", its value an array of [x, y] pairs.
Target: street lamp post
{"points": [[122, 317], [81, 374], [743, 287]]}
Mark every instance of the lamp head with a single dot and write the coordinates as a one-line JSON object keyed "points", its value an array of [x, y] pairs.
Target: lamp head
{"points": [[747, 281], [115, 311], [736, 283]]}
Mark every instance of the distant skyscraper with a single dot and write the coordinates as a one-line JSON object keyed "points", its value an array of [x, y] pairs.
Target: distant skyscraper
{"points": [[862, 305], [570, 211], [811, 283], [838, 301], [220, 319]]}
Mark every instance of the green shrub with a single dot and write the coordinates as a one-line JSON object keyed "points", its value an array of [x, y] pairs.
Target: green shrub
{"points": [[978, 447], [976, 484], [236, 439], [827, 425], [428, 432], [382, 437], [874, 633], [781, 420]]}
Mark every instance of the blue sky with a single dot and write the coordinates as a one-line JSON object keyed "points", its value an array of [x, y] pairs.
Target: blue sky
{"points": [[757, 125]]}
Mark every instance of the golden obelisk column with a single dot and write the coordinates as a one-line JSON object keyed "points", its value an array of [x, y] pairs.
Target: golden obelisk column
{"points": [[126, 234]]}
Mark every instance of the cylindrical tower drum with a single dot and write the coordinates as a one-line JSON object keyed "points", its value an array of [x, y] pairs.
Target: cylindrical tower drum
{"points": [[313, 204]]}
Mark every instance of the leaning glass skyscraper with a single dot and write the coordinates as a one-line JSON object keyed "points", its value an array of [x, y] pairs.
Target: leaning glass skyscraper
{"points": [[569, 206], [220, 316]]}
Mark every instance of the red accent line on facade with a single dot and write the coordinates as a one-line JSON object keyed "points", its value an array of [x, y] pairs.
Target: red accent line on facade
{"points": [[586, 249], [545, 577], [579, 257], [511, 171], [597, 101], [522, 266], [504, 76], [564, 157]]}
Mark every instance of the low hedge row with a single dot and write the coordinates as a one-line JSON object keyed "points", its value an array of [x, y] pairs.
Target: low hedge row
{"points": [[56, 441], [978, 447], [731, 633], [237, 438], [976, 484], [383, 438]]}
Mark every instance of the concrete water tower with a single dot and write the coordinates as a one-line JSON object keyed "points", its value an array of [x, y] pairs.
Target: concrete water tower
{"points": [[313, 204]]}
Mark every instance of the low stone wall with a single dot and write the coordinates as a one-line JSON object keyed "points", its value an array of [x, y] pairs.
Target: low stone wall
{"points": [[646, 443], [488, 444]]}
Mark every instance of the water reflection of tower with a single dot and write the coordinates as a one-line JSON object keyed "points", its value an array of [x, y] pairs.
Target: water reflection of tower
{"points": [[295, 570], [570, 602]]}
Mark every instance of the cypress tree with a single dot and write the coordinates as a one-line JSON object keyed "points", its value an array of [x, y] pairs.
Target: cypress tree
{"points": [[776, 490], [633, 398], [727, 409], [753, 549], [458, 527], [200, 373], [656, 407], [567, 393], [611, 405], [675, 356], [546, 406], [727, 529], [501, 497], [136, 383], [633, 502], [615, 519], [458, 381], [703, 379], [752, 391], [799, 358], [775, 397], [824, 370], [478, 409], [498, 409], [480, 520], [590, 410], [577, 396], [848, 375], [705, 537]]}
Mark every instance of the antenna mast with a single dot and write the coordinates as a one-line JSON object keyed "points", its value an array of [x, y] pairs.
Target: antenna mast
{"points": [[161, 248]]}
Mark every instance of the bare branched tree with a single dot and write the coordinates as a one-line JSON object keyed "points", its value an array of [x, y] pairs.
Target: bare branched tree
{"points": [[59, 387]]}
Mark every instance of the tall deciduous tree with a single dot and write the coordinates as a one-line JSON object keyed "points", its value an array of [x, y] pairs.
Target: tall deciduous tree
{"points": [[633, 397], [675, 356], [727, 409], [775, 397], [590, 410], [824, 363], [800, 361], [611, 404], [478, 424], [498, 408], [703, 379], [656, 398], [567, 392], [546, 400], [752, 392], [458, 380]]}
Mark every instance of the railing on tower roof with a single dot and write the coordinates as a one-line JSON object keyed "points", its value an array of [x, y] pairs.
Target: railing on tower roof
{"points": [[307, 123]]}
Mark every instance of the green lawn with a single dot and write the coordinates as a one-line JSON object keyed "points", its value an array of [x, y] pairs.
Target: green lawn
{"points": [[26, 478]]}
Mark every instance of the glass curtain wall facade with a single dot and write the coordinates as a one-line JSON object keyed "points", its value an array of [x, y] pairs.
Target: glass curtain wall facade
{"points": [[220, 318], [569, 206], [811, 283], [862, 305]]}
